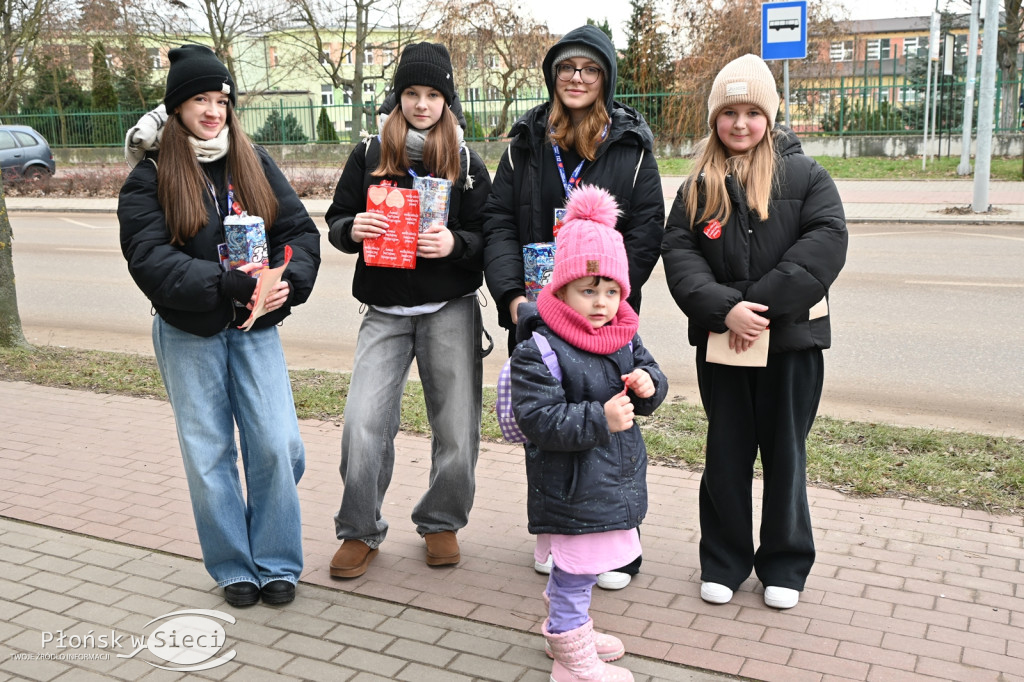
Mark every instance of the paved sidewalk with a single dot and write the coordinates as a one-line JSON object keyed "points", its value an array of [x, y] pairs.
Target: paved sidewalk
{"points": [[865, 201], [96, 534]]}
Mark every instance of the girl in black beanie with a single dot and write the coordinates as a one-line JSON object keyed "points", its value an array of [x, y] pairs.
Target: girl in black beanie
{"points": [[429, 312], [172, 211]]}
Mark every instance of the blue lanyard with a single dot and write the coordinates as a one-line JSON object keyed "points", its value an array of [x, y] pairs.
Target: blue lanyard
{"points": [[231, 197], [574, 179], [413, 174]]}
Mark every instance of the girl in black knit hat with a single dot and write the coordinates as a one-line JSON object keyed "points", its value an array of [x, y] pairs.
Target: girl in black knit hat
{"points": [[173, 209], [429, 312]]}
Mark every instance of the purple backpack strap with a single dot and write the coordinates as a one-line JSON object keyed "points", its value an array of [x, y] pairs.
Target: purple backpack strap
{"points": [[548, 355]]}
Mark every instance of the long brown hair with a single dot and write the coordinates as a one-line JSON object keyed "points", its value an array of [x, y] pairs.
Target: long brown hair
{"points": [[755, 171], [181, 183], [586, 137], [440, 150]]}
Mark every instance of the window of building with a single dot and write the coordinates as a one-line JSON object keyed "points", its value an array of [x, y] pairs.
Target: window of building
{"points": [[493, 61], [325, 58], [368, 55], [272, 57], [347, 95], [841, 51], [492, 93], [369, 92], [472, 94], [915, 47], [471, 61], [154, 57], [327, 94], [348, 57], [907, 95], [879, 48]]}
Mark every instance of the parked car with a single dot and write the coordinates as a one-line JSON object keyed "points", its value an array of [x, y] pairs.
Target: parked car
{"points": [[24, 154]]}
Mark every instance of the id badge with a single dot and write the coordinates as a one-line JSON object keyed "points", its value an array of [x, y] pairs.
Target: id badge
{"points": [[559, 219]]}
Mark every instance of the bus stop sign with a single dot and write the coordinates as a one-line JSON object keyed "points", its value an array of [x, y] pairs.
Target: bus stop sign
{"points": [[784, 30]]}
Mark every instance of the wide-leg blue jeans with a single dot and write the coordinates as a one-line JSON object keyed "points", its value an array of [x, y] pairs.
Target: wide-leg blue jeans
{"points": [[216, 383]]}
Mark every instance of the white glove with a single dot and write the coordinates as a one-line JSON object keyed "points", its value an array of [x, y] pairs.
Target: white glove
{"points": [[145, 135]]}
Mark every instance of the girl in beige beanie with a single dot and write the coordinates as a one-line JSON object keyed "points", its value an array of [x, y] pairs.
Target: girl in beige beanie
{"points": [[756, 236]]}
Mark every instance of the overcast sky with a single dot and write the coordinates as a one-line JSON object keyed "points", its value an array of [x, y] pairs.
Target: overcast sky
{"points": [[565, 15]]}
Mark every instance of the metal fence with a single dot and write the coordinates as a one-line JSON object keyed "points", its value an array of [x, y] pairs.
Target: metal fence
{"points": [[875, 104]]}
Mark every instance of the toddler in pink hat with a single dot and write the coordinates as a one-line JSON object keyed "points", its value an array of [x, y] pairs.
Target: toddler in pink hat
{"points": [[586, 462]]}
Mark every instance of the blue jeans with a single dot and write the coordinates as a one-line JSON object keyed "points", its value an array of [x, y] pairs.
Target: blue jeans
{"points": [[214, 383], [446, 345]]}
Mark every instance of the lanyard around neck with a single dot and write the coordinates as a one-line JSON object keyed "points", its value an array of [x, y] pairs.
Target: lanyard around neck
{"points": [[570, 183], [232, 206]]}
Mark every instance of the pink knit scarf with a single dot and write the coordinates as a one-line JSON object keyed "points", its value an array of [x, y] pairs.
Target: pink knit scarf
{"points": [[576, 329]]}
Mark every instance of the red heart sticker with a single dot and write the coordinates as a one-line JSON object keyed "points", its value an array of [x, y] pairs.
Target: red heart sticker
{"points": [[713, 230]]}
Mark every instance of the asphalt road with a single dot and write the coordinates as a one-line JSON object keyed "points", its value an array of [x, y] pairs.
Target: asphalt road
{"points": [[927, 320]]}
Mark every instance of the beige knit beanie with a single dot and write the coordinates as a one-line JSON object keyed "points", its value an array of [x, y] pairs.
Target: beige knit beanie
{"points": [[744, 80]]}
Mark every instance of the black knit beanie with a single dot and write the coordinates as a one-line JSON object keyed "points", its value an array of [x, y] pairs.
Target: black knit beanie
{"points": [[426, 64], [195, 69]]}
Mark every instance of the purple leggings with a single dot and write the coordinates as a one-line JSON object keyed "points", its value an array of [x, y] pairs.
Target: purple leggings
{"points": [[570, 600]]}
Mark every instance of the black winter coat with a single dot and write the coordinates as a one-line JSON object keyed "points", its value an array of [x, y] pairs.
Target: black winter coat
{"points": [[183, 282], [434, 279], [787, 262], [519, 213], [580, 477]]}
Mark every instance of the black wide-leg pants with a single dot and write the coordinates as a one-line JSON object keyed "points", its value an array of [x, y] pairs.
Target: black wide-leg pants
{"points": [[770, 409]]}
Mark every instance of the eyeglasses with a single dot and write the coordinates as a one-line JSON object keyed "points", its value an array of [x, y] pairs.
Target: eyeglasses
{"points": [[588, 74]]}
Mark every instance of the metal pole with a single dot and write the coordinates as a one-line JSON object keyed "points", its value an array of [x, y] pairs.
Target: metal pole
{"points": [[927, 99], [785, 86], [986, 107], [935, 105], [972, 71]]}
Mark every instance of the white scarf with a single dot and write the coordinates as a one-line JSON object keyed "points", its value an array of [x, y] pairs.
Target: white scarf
{"points": [[210, 150]]}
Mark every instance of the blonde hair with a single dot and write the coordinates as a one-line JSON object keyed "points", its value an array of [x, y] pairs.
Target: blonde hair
{"points": [[754, 170], [181, 184], [584, 138], [440, 150]]}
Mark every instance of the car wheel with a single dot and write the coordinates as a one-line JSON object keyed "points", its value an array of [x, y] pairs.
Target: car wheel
{"points": [[35, 173]]}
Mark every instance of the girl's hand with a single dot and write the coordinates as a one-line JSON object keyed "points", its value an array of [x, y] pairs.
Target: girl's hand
{"points": [[277, 297], [437, 242], [619, 413], [745, 324], [368, 226], [513, 307], [640, 382]]}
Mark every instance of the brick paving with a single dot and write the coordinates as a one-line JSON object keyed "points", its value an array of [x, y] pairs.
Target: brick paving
{"points": [[96, 533]]}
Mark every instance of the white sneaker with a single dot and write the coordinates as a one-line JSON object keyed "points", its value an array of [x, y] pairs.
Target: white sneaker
{"points": [[781, 597], [613, 580], [713, 593], [544, 568]]}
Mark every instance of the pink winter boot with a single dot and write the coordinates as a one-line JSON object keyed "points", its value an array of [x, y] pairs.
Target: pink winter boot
{"points": [[609, 647], [576, 658]]}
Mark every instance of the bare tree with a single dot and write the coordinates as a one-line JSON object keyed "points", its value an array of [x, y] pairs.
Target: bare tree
{"points": [[1006, 55], [336, 37], [11, 334], [502, 40], [21, 22]]}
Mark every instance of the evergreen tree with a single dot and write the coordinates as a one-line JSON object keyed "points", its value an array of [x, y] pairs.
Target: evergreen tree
{"points": [[105, 128], [278, 130], [325, 128], [645, 68], [603, 26]]}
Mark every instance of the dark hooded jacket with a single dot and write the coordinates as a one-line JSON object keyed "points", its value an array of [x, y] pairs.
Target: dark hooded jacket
{"points": [[787, 262], [434, 279], [183, 282], [580, 477], [520, 211]]}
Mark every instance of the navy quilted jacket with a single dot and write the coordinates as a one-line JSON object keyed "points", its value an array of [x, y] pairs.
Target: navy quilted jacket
{"points": [[581, 478]]}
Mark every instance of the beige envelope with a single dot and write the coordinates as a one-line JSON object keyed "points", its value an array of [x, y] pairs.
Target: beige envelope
{"points": [[720, 353]]}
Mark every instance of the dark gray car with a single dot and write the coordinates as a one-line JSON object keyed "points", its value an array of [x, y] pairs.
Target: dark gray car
{"points": [[24, 153]]}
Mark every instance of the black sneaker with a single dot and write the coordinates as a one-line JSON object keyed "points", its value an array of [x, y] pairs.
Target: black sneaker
{"points": [[278, 592], [241, 593]]}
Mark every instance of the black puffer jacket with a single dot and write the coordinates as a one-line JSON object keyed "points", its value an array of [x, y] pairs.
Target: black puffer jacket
{"points": [[183, 282], [434, 279], [580, 478], [520, 212], [787, 262]]}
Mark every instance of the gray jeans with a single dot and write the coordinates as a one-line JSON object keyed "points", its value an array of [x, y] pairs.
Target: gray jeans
{"points": [[446, 345]]}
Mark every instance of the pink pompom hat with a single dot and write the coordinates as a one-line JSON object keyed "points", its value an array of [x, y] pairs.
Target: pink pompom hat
{"points": [[588, 243]]}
